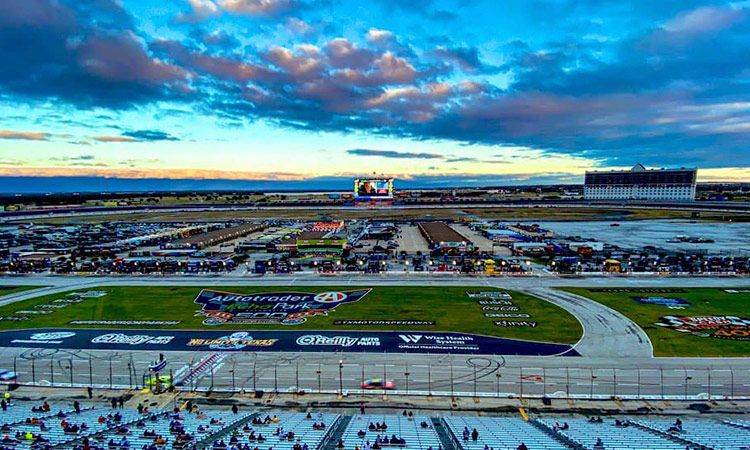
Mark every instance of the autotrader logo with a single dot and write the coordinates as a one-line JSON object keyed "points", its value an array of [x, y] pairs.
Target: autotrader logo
{"points": [[410, 338], [330, 297]]}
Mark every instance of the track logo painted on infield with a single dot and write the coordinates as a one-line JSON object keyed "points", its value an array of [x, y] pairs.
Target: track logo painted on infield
{"points": [[285, 308]]}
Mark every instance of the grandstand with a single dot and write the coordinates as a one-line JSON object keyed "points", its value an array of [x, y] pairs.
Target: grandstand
{"points": [[26, 426]]}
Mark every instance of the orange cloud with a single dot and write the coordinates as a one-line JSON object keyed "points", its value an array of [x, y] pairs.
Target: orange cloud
{"points": [[25, 135], [115, 139]]}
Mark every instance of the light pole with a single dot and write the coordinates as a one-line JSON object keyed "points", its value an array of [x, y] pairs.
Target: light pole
{"points": [[341, 377]]}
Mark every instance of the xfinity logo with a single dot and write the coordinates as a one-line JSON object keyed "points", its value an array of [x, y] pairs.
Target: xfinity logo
{"points": [[410, 338]]}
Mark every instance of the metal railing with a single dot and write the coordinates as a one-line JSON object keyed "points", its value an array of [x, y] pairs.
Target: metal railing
{"points": [[436, 375]]}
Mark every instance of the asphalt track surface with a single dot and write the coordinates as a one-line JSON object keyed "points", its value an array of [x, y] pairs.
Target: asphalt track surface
{"points": [[616, 356]]}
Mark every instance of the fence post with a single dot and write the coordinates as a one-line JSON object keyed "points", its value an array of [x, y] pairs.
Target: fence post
{"points": [[475, 380], [709, 384], [614, 382], [91, 373], [639, 382], [406, 374], [452, 390], [429, 376], [318, 372], [661, 380], [70, 361], [51, 372], [520, 376], [33, 371]]}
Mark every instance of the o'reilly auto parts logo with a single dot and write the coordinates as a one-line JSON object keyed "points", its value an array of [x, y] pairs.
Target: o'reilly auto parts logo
{"points": [[410, 338], [286, 308], [338, 341]]}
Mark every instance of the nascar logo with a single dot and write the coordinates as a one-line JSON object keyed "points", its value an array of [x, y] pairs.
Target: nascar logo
{"points": [[330, 297]]}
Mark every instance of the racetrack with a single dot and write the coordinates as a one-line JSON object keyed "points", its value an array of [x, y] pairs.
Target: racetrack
{"points": [[601, 371]]}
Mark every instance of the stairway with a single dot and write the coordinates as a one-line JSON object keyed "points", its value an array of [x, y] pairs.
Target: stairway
{"points": [[671, 437], [447, 441], [335, 433], [205, 443], [570, 443]]}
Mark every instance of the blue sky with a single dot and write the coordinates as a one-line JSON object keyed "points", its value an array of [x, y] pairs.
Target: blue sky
{"points": [[441, 92]]}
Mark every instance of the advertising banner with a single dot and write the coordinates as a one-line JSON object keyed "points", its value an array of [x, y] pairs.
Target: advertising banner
{"points": [[672, 302], [279, 341]]}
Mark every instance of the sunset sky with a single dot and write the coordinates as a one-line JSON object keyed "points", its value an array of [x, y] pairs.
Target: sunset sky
{"points": [[440, 92]]}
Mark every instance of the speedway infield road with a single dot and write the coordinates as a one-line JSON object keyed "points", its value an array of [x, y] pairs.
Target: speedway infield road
{"points": [[616, 355]]}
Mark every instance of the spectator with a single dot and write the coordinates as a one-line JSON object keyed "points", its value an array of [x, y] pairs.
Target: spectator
{"points": [[474, 434], [522, 447], [599, 445]]}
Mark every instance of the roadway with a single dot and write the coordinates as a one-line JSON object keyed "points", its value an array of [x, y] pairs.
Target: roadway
{"points": [[616, 355]]}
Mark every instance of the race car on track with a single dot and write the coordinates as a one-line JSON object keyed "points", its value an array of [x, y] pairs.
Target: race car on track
{"points": [[7, 375], [378, 383]]}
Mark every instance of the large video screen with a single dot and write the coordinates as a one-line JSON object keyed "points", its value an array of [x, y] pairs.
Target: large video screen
{"points": [[373, 188]]}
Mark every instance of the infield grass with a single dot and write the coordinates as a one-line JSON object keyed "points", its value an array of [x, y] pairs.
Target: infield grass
{"points": [[450, 308], [668, 342]]}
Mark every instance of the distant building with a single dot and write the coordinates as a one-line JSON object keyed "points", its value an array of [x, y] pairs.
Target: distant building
{"points": [[639, 183]]}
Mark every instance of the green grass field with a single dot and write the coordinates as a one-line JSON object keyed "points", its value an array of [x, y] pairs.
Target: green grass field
{"points": [[668, 342], [7, 290], [449, 307]]}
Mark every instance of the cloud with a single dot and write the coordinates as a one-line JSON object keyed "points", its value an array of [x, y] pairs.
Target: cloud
{"points": [[149, 135], [298, 26], [393, 154], [260, 8], [704, 20], [199, 10], [81, 53], [378, 36], [467, 58], [24, 135], [115, 139], [74, 158], [461, 159]]}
